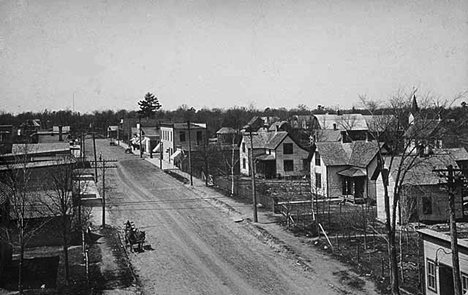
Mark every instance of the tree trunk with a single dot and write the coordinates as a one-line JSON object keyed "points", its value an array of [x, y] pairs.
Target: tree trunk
{"points": [[21, 262], [395, 284], [65, 250], [392, 251]]}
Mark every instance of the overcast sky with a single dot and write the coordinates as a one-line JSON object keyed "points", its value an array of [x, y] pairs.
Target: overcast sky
{"points": [[96, 55]]}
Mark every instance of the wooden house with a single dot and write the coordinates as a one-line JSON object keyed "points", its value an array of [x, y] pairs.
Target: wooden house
{"points": [[276, 154], [438, 267], [424, 196], [345, 170], [177, 138]]}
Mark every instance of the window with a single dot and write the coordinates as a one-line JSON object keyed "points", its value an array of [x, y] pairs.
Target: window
{"points": [[317, 159], [244, 163], [427, 205], [243, 147], [464, 282], [287, 148], [199, 136], [182, 136], [431, 275], [305, 165], [347, 186], [318, 180], [288, 165]]}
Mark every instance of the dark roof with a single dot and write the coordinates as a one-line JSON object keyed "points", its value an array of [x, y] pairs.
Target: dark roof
{"points": [[362, 153], [332, 153], [357, 153], [266, 140], [421, 173], [423, 129], [327, 135], [276, 140]]}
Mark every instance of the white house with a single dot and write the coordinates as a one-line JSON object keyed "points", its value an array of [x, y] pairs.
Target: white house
{"points": [[438, 261], [346, 170], [275, 153]]}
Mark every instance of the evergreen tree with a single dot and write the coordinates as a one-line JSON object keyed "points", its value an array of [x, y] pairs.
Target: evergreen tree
{"points": [[148, 106]]}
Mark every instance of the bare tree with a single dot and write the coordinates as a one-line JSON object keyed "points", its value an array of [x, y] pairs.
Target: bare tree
{"points": [[408, 143], [26, 216], [58, 201]]}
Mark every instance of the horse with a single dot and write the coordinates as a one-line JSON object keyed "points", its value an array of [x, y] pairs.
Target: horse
{"points": [[133, 236]]}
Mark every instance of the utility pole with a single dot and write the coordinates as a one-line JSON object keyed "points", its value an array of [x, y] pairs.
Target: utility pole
{"points": [[139, 127], [104, 166], [95, 158], [160, 154], [449, 173], [190, 152], [206, 160], [252, 166]]}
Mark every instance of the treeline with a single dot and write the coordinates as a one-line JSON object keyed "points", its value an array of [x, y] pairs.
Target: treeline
{"points": [[215, 118], [98, 121]]}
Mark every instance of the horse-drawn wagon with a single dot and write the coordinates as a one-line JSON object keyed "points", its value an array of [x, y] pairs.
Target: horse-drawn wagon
{"points": [[134, 236]]}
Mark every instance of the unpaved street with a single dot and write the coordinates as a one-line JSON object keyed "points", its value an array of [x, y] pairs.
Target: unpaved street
{"points": [[196, 248]]}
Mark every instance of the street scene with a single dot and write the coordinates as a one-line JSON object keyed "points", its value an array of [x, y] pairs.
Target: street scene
{"points": [[195, 246], [233, 147]]}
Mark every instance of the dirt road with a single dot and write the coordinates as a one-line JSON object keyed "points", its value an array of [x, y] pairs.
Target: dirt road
{"points": [[196, 248]]}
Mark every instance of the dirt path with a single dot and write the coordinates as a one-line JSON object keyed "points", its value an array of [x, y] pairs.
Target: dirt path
{"points": [[196, 248]]}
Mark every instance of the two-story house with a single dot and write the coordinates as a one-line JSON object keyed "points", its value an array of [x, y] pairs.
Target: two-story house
{"points": [[178, 138], [276, 154], [346, 170], [328, 127]]}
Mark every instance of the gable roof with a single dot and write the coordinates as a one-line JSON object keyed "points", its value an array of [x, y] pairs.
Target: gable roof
{"points": [[267, 140], [422, 171], [357, 153], [423, 129], [327, 135]]}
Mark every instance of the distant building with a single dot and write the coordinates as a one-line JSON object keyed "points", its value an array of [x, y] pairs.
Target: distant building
{"points": [[112, 132], [57, 134], [331, 126], [227, 135], [175, 139], [6, 139]]}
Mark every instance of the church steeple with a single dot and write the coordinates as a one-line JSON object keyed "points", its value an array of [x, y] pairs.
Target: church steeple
{"points": [[414, 112]]}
